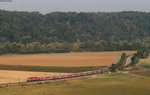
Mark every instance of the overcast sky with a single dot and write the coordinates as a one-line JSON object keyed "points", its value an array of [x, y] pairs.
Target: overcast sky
{"points": [[47, 6]]}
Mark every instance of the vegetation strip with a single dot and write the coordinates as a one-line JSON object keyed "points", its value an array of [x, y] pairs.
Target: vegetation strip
{"points": [[49, 69]]}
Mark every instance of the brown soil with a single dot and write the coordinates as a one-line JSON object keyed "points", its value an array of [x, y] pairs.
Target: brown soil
{"points": [[64, 59]]}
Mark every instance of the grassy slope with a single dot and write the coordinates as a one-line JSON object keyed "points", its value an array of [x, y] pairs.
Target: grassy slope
{"points": [[110, 84], [144, 71], [146, 65], [49, 69]]}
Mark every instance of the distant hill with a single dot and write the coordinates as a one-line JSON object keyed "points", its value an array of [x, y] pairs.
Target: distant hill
{"points": [[71, 31]]}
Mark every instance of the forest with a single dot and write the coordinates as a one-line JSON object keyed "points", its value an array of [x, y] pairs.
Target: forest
{"points": [[32, 32]]}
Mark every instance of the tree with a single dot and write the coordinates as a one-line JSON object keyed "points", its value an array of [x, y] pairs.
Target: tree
{"points": [[142, 53], [122, 61], [76, 46], [96, 32], [34, 47], [134, 60], [114, 67], [11, 47]]}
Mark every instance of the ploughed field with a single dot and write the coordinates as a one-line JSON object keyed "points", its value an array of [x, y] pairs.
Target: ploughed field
{"points": [[8, 76], [64, 59]]}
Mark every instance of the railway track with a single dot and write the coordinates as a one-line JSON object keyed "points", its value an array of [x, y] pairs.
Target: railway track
{"points": [[46, 81]]}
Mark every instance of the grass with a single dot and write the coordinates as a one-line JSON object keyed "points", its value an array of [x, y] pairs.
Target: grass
{"points": [[49, 69], [143, 71], [146, 65], [109, 84]]}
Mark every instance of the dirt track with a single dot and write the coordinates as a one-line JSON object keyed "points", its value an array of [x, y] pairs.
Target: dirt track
{"points": [[64, 59]]}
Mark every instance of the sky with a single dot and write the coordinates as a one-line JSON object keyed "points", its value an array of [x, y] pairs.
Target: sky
{"points": [[47, 6]]}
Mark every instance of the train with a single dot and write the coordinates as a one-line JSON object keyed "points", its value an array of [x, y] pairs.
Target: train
{"points": [[73, 75]]}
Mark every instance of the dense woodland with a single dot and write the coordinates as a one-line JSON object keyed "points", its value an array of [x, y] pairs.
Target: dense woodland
{"points": [[24, 32]]}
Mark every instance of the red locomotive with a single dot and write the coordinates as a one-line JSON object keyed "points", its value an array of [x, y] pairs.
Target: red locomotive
{"points": [[68, 75]]}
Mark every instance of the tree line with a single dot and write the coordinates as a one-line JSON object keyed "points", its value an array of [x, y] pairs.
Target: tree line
{"points": [[24, 32], [56, 47]]}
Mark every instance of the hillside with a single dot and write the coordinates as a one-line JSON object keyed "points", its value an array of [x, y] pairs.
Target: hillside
{"points": [[24, 32]]}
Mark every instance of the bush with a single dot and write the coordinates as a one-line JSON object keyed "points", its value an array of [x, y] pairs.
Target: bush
{"points": [[114, 67], [143, 53], [120, 64]]}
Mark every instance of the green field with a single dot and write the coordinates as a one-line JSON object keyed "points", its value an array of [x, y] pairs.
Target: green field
{"points": [[146, 65], [108, 84], [143, 71], [49, 69]]}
